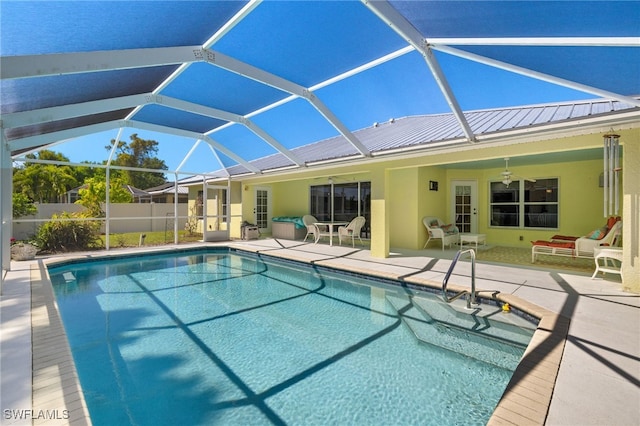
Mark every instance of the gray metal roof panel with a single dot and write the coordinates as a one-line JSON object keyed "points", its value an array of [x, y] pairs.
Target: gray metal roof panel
{"points": [[426, 129], [547, 114], [563, 112], [582, 110]]}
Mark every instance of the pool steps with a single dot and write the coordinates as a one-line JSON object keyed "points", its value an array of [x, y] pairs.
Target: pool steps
{"points": [[471, 334]]}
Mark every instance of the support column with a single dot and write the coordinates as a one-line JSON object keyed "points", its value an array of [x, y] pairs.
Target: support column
{"points": [[175, 209], [631, 212], [6, 202], [379, 213], [235, 209]]}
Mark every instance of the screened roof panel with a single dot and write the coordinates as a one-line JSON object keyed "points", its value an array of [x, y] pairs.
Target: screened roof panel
{"points": [[31, 28], [307, 42], [436, 19], [295, 123], [36, 93], [238, 137], [208, 85], [386, 91], [59, 125], [495, 88], [616, 69], [170, 117]]}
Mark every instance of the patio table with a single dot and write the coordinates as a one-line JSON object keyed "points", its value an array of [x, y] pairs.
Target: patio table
{"points": [[329, 225], [473, 238]]}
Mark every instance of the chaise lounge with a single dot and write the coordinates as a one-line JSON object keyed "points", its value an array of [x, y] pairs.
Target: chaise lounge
{"points": [[579, 246]]}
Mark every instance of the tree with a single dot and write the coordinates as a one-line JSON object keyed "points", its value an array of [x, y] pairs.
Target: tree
{"points": [[22, 205], [139, 153], [44, 183], [94, 193]]}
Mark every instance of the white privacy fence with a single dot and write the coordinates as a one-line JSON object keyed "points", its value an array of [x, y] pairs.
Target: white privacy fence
{"points": [[123, 218]]}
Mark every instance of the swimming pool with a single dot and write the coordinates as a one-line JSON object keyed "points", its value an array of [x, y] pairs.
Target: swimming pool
{"points": [[223, 337]]}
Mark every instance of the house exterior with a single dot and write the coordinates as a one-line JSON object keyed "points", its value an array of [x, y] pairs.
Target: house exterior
{"points": [[221, 93], [396, 189], [166, 193]]}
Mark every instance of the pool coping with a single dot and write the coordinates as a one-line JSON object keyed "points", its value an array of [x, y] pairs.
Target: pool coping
{"points": [[56, 389], [526, 399]]}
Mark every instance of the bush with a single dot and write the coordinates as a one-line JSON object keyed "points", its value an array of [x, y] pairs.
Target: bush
{"points": [[68, 235]]}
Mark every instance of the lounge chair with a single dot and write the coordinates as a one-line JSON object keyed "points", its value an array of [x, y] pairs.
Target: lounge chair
{"points": [[579, 246], [352, 230], [309, 221], [436, 229]]}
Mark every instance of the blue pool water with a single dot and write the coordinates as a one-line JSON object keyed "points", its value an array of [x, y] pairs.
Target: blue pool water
{"points": [[220, 337]]}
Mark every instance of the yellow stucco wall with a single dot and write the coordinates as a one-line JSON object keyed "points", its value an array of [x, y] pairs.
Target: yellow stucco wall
{"points": [[580, 201], [380, 216], [409, 199], [236, 209], [288, 199], [401, 195], [404, 199]]}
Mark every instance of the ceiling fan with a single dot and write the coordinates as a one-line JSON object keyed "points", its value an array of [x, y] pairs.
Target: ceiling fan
{"points": [[508, 176]]}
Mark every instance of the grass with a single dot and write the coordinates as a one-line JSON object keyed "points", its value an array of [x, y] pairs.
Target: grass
{"points": [[132, 239]]}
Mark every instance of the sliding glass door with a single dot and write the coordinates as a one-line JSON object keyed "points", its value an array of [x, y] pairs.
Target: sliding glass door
{"points": [[341, 202]]}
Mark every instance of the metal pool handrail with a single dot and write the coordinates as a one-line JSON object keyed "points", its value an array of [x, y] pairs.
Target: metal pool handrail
{"points": [[472, 295]]}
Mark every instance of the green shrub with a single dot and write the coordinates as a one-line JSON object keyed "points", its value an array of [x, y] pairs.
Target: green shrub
{"points": [[68, 235]]}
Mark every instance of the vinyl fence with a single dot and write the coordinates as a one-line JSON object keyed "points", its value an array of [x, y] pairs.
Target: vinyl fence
{"points": [[123, 218]]}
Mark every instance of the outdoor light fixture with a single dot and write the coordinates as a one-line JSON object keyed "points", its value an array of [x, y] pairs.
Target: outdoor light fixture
{"points": [[611, 173]]}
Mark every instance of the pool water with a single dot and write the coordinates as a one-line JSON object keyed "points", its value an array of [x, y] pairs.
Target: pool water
{"points": [[221, 337]]}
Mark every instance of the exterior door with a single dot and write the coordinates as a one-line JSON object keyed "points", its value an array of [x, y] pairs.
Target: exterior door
{"points": [[262, 209], [465, 205]]}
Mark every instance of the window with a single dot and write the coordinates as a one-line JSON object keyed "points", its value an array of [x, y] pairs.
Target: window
{"points": [[341, 202], [223, 205], [524, 204]]}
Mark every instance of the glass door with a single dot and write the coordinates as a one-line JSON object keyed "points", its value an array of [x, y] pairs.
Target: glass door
{"points": [[465, 207], [262, 209], [342, 202]]}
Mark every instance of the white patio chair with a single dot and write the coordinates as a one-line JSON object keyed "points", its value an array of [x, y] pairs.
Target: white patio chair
{"points": [[436, 229], [586, 245], [352, 230], [309, 221]]}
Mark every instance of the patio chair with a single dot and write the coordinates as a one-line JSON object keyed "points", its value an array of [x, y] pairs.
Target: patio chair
{"points": [[309, 221], [436, 229], [352, 230]]}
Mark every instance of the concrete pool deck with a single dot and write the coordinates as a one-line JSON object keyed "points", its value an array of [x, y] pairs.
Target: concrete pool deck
{"points": [[582, 368]]}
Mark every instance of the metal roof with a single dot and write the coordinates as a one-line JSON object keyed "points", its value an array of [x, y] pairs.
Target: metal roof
{"points": [[423, 132], [260, 81], [167, 188]]}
